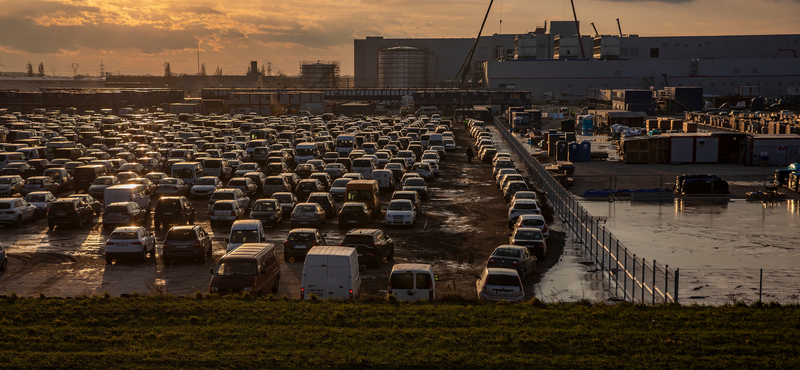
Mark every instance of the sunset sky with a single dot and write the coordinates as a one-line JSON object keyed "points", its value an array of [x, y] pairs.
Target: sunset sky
{"points": [[138, 36]]}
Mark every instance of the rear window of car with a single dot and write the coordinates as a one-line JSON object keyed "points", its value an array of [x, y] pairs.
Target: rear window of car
{"points": [[533, 222], [34, 181], [505, 252], [274, 181], [264, 206], [124, 235], [306, 208], [402, 280], [358, 239], [502, 280], [169, 204], [181, 234], [526, 206], [529, 235], [116, 209], [223, 206], [222, 196], [423, 281], [237, 183], [300, 237], [362, 163], [212, 164]]}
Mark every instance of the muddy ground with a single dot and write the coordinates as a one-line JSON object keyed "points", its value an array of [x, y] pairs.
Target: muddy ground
{"points": [[464, 220]]}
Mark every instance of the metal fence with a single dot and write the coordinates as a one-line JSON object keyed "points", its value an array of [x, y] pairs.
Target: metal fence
{"points": [[730, 286], [633, 277]]}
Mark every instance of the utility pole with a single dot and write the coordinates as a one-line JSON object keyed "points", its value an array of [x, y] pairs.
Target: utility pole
{"points": [[198, 57]]}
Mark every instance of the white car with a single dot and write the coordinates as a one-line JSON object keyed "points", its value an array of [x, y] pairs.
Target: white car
{"points": [[449, 145], [400, 212], [226, 210], [423, 169], [130, 241], [434, 166], [15, 211], [205, 186], [42, 201], [500, 284], [230, 194], [522, 207], [339, 187], [498, 178], [536, 221]]}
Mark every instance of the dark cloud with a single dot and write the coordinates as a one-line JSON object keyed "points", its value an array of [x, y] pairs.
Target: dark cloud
{"points": [[25, 35]]}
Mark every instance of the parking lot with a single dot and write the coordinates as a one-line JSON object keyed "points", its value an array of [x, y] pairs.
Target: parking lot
{"points": [[464, 220]]}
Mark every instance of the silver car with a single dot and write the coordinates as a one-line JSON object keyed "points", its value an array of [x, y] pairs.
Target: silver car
{"points": [[311, 214], [499, 284]]}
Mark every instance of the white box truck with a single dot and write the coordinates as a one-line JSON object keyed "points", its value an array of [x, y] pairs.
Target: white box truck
{"points": [[331, 273]]}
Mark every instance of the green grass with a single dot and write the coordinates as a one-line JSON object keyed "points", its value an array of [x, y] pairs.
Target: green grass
{"points": [[150, 332]]}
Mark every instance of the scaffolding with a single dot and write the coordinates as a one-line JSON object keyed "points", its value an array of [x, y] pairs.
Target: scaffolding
{"points": [[402, 67], [319, 74]]}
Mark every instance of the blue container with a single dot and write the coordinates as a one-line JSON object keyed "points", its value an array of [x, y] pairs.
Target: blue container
{"points": [[586, 151], [561, 151], [574, 152], [587, 124]]}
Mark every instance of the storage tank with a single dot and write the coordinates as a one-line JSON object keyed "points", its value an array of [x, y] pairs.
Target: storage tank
{"points": [[403, 66]]}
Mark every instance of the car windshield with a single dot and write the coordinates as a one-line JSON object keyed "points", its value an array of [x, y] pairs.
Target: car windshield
{"points": [[300, 237], [526, 206], [244, 236], [264, 206], [181, 234], [206, 182], [35, 197], [506, 252], [306, 208], [400, 206], [124, 235], [529, 235], [502, 280], [5, 180], [237, 268], [415, 182], [340, 183]]}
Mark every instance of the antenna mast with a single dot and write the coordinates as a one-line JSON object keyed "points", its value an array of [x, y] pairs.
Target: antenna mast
{"points": [[198, 57]]}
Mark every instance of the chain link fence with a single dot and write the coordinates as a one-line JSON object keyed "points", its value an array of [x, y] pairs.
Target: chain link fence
{"points": [[731, 286]]}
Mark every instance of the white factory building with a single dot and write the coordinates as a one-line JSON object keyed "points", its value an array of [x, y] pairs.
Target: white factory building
{"points": [[550, 62]]}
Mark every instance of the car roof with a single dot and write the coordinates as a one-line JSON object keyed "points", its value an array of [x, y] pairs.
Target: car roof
{"points": [[127, 228], [303, 230], [501, 271], [362, 231]]}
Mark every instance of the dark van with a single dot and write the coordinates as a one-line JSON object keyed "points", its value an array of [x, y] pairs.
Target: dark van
{"points": [[85, 175], [253, 267], [68, 153]]}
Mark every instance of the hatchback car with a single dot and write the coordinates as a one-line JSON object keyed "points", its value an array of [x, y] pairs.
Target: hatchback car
{"points": [[354, 214], [512, 187], [531, 238], [269, 211], [339, 188], [40, 183], [373, 245], [205, 186], [42, 200], [124, 213], [499, 284], [299, 241], [187, 242], [325, 200], [68, 211], [173, 210], [311, 214], [99, 185], [513, 257], [225, 211], [335, 170], [172, 186], [400, 212], [418, 185], [10, 185], [522, 207], [230, 194], [128, 241], [413, 196], [247, 185], [15, 211], [275, 184], [308, 186], [287, 200]]}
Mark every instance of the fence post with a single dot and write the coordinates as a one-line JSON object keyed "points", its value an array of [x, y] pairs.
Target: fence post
{"points": [[625, 274], [666, 284], [653, 287], [760, 283], [644, 270], [677, 279], [616, 264], [633, 280], [602, 248]]}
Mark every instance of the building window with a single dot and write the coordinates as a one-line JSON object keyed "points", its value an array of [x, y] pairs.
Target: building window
{"points": [[654, 53], [677, 44]]}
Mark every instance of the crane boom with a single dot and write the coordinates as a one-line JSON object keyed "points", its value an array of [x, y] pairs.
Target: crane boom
{"points": [[462, 73]]}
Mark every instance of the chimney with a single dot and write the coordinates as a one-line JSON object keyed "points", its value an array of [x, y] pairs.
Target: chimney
{"points": [[253, 66]]}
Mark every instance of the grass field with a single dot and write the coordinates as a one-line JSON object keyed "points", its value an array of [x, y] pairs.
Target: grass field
{"points": [[209, 332]]}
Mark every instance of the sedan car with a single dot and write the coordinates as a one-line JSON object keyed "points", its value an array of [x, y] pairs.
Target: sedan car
{"points": [[205, 186], [308, 214], [269, 211], [536, 221], [423, 169], [400, 212], [187, 242], [10, 185], [522, 207], [156, 177], [499, 284], [124, 213], [339, 188], [42, 200], [21, 169], [335, 170], [147, 185], [99, 185], [15, 211], [225, 211], [130, 241], [512, 187], [287, 200], [39, 183], [325, 200], [513, 257], [230, 194], [418, 185], [299, 241], [172, 186], [308, 186], [247, 185], [531, 238]]}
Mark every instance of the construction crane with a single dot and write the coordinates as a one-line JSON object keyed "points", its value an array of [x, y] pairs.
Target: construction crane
{"points": [[595, 30], [619, 28], [462, 73], [580, 42]]}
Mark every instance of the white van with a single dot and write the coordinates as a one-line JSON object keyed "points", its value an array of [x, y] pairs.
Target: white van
{"points": [[305, 152], [435, 140], [412, 282], [385, 179], [427, 111], [127, 193], [8, 157], [331, 273], [188, 171], [245, 231], [364, 166]]}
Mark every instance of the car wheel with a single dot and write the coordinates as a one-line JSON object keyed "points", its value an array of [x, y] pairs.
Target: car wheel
{"points": [[51, 227], [275, 287], [144, 255], [109, 260]]}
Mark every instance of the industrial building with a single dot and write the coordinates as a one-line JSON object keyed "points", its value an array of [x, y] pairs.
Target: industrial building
{"points": [[555, 65]]}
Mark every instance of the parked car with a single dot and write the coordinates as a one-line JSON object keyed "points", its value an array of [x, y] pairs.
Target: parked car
{"points": [[335, 170], [99, 185], [525, 195], [21, 169], [172, 186], [269, 211], [513, 257], [246, 184], [230, 194], [536, 221], [413, 196], [400, 212], [311, 214], [148, 186], [418, 185], [156, 177], [124, 213], [68, 211], [308, 186], [531, 238], [512, 187], [499, 284], [39, 183], [325, 200], [173, 210], [15, 211], [287, 200], [300, 241], [372, 245], [205, 186], [10, 185], [226, 211], [275, 184], [42, 200], [94, 205], [187, 242], [412, 282], [522, 207], [130, 241], [354, 214], [339, 188]]}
